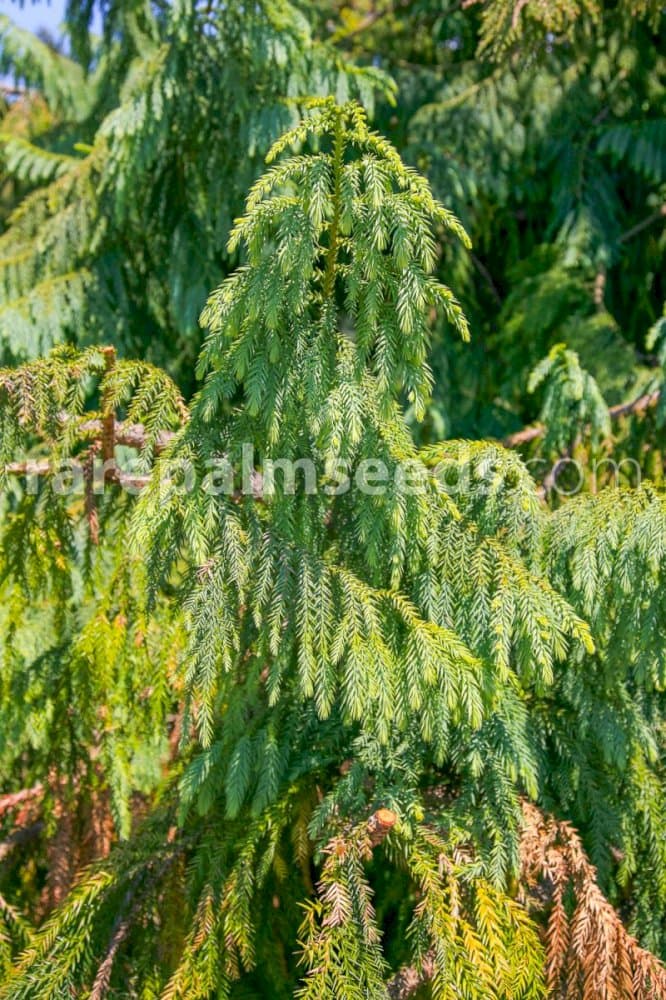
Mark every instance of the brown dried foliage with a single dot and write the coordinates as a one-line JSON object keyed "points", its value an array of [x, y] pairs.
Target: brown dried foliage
{"points": [[590, 954]]}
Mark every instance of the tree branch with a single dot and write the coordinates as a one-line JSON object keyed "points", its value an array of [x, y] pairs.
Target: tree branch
{"points": [[639, 405], [130, 435], [640, 226], [342, 34], [9, 91]]}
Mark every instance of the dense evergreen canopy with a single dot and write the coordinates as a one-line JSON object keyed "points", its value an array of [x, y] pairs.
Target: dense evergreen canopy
{"points": [[392, 725]]}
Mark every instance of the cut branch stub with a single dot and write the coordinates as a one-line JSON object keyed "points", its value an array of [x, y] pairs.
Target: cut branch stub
{"points": [[380, 825]]}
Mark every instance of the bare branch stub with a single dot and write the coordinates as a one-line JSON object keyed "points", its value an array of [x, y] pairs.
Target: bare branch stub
{"points": [[380, 825]]}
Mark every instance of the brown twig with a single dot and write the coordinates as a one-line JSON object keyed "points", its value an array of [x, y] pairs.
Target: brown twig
{"points": [[517, 11], [62, 848], [130, 435], [108, 415], [103, 977], [370, 19], [13, 799], [342, 34], [599, 288], [9, 91]]}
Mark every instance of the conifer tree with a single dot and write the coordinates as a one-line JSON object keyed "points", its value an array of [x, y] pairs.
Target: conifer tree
{"points": [[378, 707]]}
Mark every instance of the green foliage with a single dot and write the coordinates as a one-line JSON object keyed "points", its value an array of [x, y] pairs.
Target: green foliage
{"points": [[87, 678], [33, 61], [572, 400]]}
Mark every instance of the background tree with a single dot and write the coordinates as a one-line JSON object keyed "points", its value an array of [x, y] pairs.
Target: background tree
{"points": [[156, 130], [542, 125]]}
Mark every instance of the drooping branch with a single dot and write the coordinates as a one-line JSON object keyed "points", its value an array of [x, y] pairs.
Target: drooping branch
{"points": [[586, 944], [103, 977], [344, 905]]}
